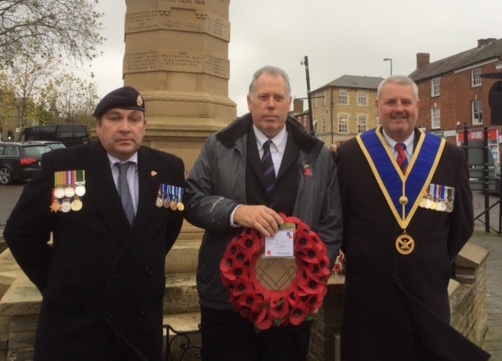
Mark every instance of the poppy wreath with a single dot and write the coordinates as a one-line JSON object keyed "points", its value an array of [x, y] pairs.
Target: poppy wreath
{"points": [[265, 307]]}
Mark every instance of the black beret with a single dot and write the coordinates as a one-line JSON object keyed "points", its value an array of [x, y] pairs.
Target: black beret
{"points": [[123, 98]]}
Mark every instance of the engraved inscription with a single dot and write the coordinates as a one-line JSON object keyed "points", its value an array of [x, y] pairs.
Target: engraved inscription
{"points": [[139, 62], [218, 27], [217, 66], [141, 21], [182, 61], [177, 60]]}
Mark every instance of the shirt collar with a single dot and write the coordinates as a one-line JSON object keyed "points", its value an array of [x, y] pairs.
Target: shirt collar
{"points": [[279, 140], [113, 160], [409, 142]]}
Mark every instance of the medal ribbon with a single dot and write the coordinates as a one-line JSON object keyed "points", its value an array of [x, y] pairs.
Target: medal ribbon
{"points": [[393, 183]]}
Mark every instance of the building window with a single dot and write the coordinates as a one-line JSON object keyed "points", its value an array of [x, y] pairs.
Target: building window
{"points": [[342, 123], [324, 99], [476, 77], [477, 112], [362, 97], [315, 100], [435, 118], [315, 125], [324, 124], [435, 87], [361, 123], [343, 97]]}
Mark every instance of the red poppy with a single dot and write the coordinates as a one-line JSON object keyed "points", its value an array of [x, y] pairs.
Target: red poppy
{"points": [[298, 314], [264, 320]]}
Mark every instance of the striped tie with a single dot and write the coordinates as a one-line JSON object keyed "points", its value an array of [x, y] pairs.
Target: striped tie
{"points": [[402, 159], [268, 171]]}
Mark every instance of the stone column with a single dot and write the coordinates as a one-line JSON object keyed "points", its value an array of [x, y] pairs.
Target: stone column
{"points": [[176, 55]]}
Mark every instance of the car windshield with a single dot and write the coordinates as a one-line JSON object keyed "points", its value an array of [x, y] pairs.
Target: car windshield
{"points": [[36, 150]]}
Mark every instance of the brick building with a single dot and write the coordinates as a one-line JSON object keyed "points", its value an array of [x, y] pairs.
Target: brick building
{"points": [[342, 108], [461, 90]]}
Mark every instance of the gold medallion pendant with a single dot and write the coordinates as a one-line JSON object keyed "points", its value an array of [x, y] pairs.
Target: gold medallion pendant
{"points": [[405, 244]]}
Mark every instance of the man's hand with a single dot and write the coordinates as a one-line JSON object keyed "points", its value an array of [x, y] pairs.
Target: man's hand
{"points": [[265, 220]]}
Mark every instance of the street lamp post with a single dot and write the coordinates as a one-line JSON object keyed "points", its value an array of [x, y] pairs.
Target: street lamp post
{"points": [[390, 60], [305, 61]]}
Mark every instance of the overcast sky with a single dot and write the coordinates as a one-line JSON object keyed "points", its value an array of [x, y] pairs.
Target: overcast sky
{"points": [[339, 38]]}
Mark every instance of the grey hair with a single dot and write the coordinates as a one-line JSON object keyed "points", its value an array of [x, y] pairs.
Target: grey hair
{"points": [[398, 79], [270, 70]]}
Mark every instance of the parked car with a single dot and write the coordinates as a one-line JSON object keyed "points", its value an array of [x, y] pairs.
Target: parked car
{"points": [[68, 134], [20, 161]]}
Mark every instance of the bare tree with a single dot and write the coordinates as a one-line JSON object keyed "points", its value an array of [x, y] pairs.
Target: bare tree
{"points": [[49, 28]]}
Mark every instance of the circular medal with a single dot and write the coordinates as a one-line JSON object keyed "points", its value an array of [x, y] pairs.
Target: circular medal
{"points": [[423, 202], [76, 205], [405, 244], [59, 192], [158, 202], [181, 207], [80, 190], [433, 205], [428, 204], [69, 192], [65, 206], [174, 205], [441, 206], [166, 203]]}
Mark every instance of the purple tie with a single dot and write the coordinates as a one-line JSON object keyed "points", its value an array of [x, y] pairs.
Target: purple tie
{"points": [[402, 159], [268, 171]]}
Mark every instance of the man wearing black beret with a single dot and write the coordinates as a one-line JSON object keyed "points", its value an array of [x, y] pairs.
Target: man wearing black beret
{"points": [[113, 209]]}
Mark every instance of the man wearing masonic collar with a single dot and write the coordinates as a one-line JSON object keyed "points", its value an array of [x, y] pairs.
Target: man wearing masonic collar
{"points": [[407, 212]]}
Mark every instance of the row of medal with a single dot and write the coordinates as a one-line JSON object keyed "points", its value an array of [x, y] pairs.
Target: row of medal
{"points": [[69, 186], [439, 198], [170, 197]]}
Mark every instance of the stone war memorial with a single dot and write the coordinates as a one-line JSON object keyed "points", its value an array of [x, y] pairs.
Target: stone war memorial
{"points": [[176, 55]]}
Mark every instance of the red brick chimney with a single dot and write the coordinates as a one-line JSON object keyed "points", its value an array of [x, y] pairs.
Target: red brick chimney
{"points": [[297, 106], [423, 59], [482, 42]]}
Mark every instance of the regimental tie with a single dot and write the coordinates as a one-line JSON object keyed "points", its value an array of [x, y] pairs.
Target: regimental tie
{"points": [[268, 171], [402, 159], [124, 191]]}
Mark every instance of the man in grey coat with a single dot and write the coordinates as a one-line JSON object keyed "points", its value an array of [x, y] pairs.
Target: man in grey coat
{"points": [[227, 192]]}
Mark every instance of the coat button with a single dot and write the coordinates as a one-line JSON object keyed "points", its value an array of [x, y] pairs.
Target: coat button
{"points": [[148, 271]]}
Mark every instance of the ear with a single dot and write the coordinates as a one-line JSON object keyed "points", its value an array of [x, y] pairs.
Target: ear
{"points": [[249, 102]]}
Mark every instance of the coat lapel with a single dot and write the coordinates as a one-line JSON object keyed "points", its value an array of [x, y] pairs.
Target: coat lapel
{"points": [[101, 188]]}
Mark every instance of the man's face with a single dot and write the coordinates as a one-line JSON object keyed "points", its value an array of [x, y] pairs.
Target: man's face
{"points": [[397, 110], [269, 105], [121, 132]]}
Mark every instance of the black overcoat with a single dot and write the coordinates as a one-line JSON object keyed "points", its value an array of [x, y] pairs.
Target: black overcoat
{"points": [[396, 306], [102, 280]]}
